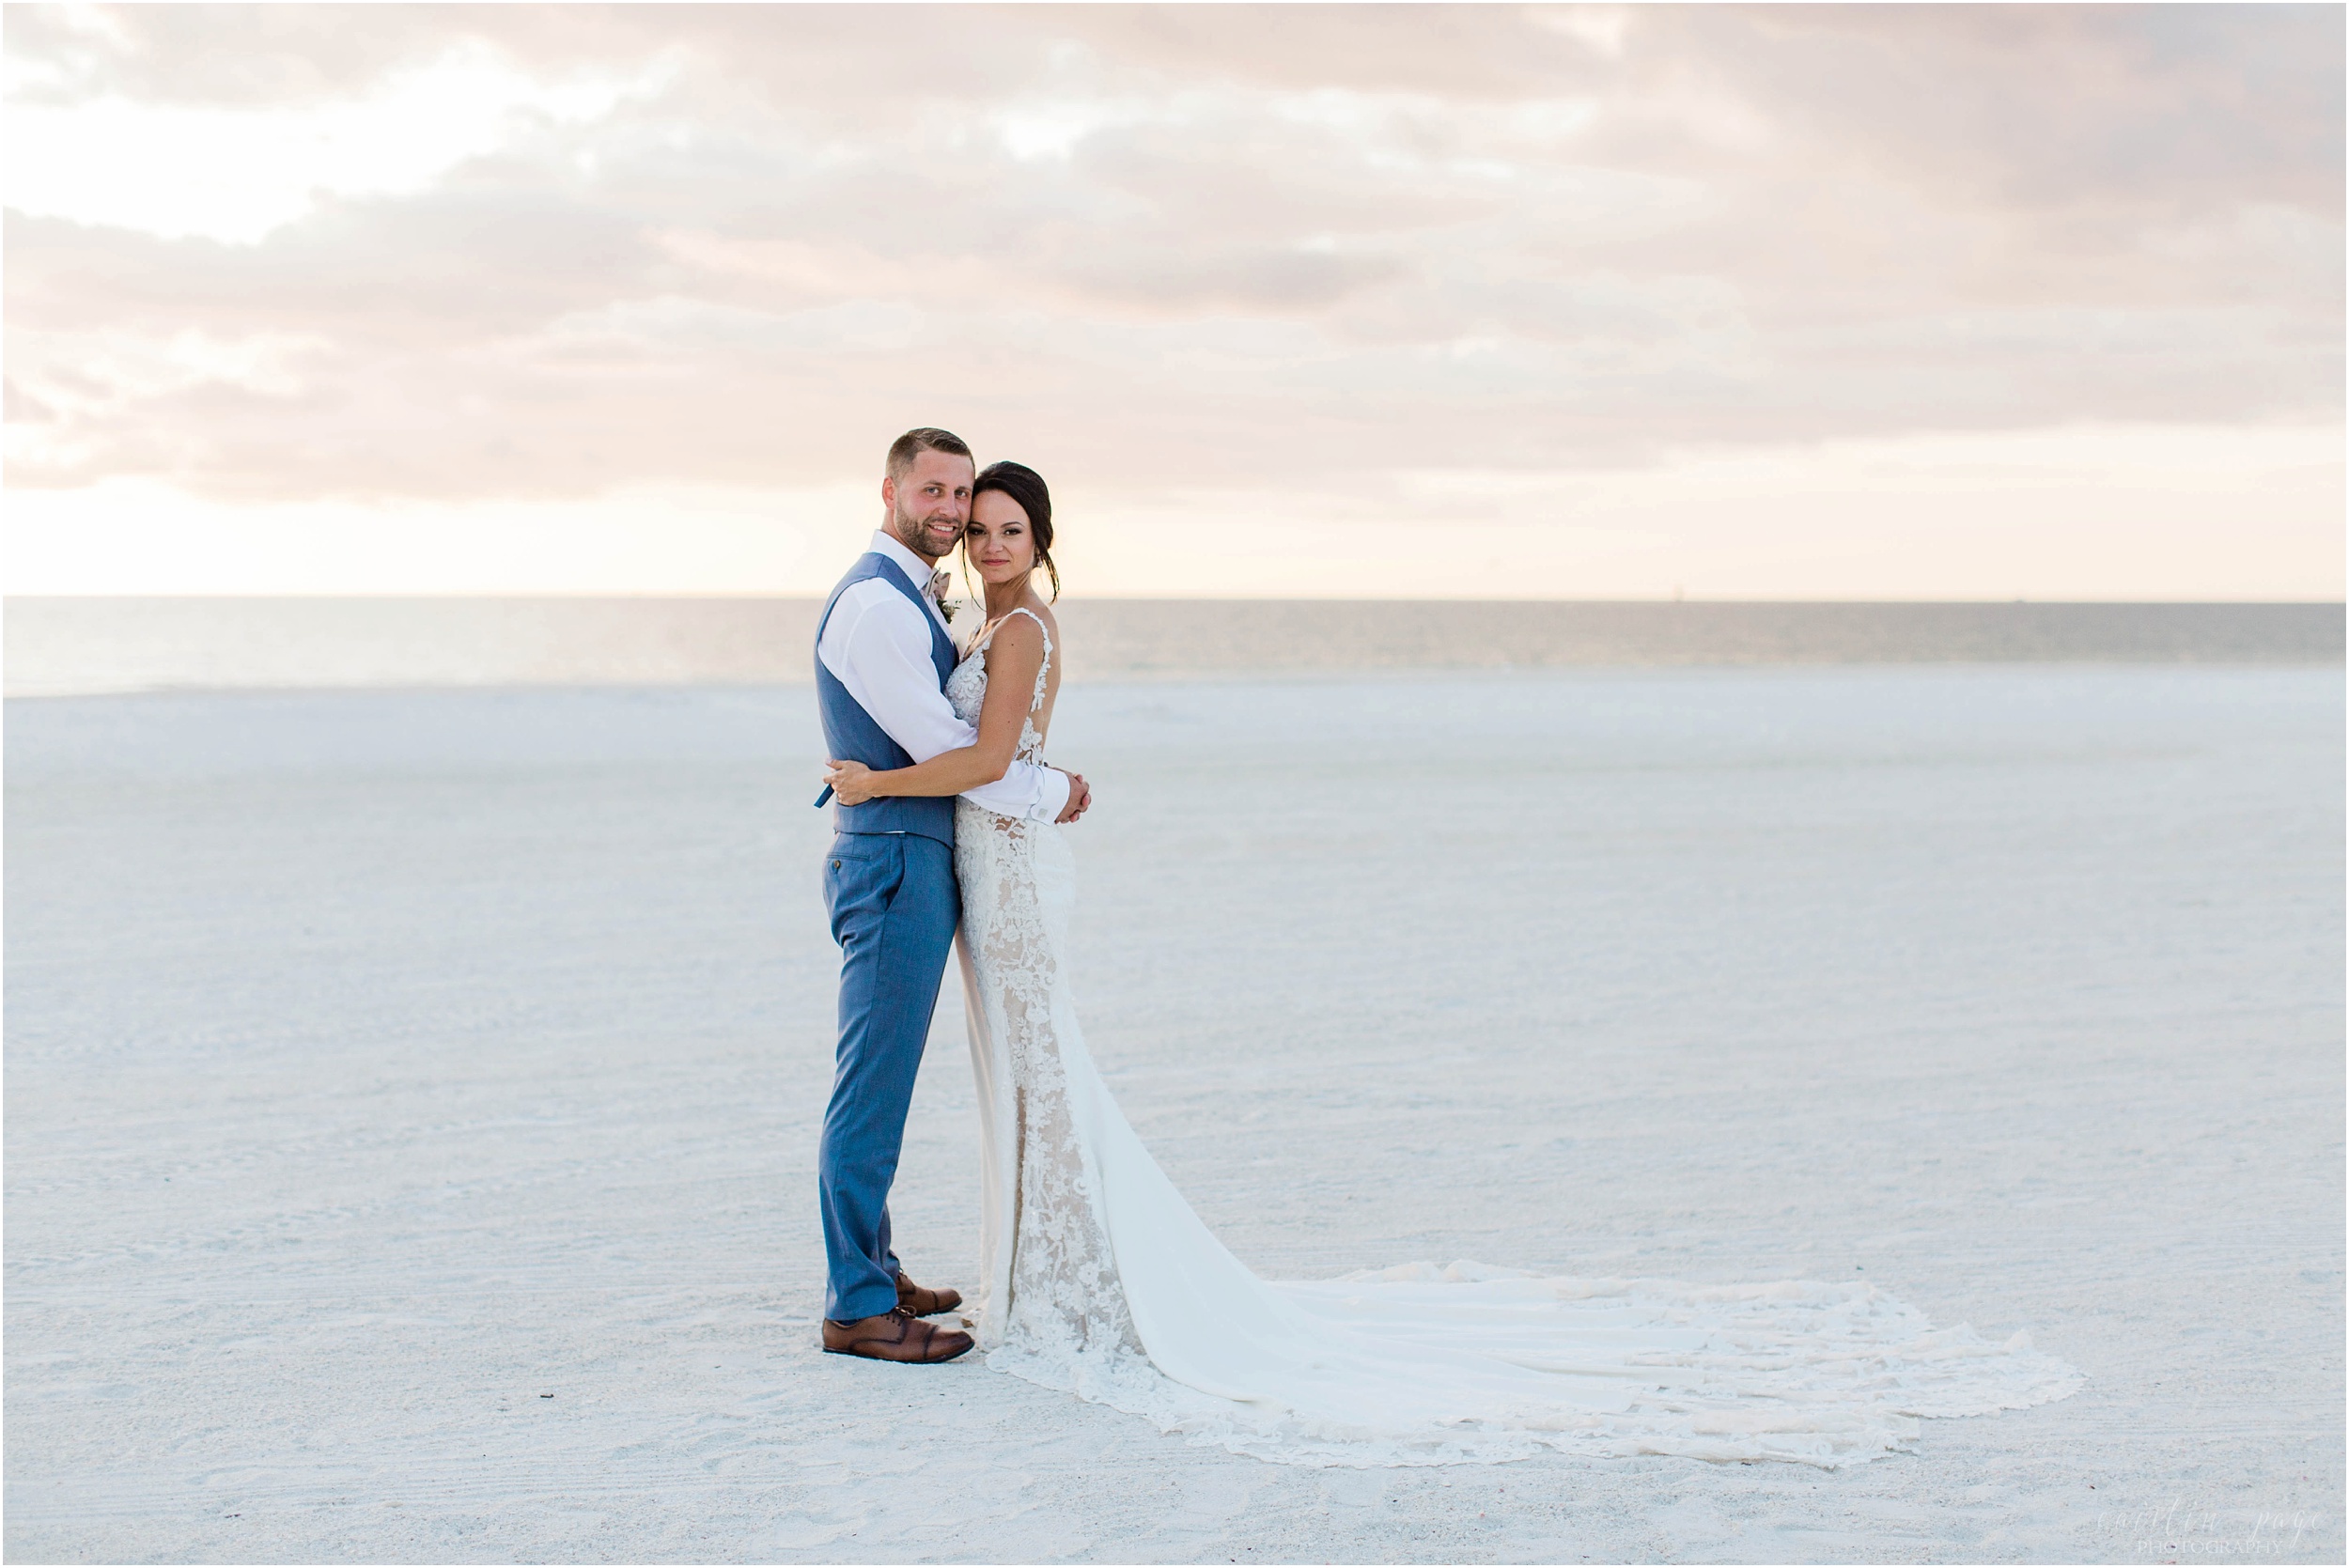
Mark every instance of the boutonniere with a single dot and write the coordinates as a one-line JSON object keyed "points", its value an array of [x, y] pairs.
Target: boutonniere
{"points": [[941, 581]]}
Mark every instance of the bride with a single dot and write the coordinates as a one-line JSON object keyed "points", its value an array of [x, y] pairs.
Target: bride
{"points": [[1098, 1280]]}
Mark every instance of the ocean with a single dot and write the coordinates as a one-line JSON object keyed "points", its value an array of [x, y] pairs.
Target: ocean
{"points": [[57, 646]]}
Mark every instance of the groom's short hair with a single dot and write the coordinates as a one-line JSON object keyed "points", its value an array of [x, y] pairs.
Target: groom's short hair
{"points": [[914, 442]]}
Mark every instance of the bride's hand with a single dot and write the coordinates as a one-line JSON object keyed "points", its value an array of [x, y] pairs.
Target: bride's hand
{"points": [[850, 782]]}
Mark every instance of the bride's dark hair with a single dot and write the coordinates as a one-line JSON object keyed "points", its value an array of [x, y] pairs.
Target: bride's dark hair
{"points": [[1025, 486]]}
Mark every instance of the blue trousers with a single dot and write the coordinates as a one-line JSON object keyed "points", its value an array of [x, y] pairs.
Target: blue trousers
{"points": [[894, 909]]}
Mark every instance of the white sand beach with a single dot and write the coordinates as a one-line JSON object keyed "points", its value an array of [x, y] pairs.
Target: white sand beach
{"points": [[411, 1101]]}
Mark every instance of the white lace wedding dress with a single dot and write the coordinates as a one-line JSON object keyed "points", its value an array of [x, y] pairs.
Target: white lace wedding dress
{"points": [[1097, 1277]]}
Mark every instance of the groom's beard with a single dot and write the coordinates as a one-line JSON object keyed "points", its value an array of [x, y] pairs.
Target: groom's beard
{"points": [[909, 528]]}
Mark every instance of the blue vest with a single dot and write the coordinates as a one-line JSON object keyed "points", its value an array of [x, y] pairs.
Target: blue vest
{"points": [[851, 734]]}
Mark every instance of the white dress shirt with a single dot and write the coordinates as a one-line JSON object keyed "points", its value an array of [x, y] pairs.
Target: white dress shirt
{"points": [[875, 645]]}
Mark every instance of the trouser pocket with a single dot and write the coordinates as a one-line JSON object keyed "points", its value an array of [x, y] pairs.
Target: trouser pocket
{"points": [[862, 874]]}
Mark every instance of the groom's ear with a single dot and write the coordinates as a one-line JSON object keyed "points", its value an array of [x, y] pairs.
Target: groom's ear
{"points": [[888, 491]]}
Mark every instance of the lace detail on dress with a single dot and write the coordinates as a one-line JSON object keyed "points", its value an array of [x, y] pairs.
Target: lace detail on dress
{"points": [[1062, 1316], [968, 692], [1409, 1366]]}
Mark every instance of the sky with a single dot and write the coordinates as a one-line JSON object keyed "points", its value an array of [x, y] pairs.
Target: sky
{"points": [[1384, 301]]}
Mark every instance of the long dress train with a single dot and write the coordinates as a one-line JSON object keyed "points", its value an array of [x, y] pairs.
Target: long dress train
{"points": [[1097, 1277]]}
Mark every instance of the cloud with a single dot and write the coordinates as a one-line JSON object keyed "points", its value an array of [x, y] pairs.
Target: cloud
{"points": [[239, 172], [297, 253]]}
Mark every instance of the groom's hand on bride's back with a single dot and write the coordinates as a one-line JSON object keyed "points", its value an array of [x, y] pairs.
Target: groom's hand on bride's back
{"points": [[1080, 797]]}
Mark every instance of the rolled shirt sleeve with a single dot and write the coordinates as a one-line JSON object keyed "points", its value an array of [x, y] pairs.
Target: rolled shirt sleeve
{"points": [[877, 644]]}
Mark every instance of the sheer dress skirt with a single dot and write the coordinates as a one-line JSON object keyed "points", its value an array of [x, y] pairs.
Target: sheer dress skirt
{"points": [[1097, 1277]]}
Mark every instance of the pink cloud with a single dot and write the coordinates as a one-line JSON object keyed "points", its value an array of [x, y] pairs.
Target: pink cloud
{"points": [[1259, 245]]}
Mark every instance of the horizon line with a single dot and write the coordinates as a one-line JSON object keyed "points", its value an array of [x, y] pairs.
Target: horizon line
{"points": [[569, 594]]}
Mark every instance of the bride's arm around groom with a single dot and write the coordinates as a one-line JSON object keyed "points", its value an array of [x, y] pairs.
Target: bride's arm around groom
{"points": [[1014, 656], [879, 649]]}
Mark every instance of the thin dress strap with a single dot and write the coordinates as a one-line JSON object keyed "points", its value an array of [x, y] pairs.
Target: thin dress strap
{"points": [[988, 635]]}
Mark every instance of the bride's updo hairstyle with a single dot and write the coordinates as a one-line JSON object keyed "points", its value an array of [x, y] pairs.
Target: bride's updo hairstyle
{"points": [[1025, 486]]}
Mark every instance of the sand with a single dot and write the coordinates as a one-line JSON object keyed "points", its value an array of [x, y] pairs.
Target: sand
{"points": [[410, 1105]]}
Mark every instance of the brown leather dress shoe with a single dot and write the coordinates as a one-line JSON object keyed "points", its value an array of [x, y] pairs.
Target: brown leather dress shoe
{"points": [[894, 1336], [922, 1301]]}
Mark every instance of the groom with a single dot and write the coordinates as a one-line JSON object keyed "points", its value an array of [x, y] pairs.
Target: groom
{"points": [[883, 657]]}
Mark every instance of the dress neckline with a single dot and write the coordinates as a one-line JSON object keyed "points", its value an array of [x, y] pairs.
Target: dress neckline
{"points": [[987, 632]]}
